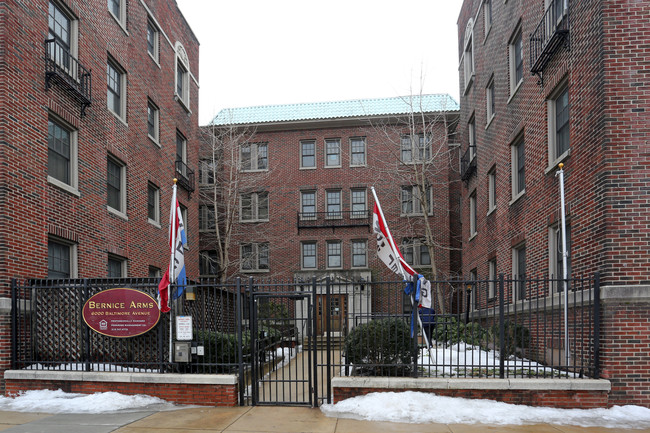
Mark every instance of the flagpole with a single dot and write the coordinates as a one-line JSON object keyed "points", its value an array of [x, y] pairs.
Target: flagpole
{"points": [[564, 267], [172, 261]]}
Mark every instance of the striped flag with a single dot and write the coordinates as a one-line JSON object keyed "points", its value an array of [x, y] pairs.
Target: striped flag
{"points": [[176, 270]]}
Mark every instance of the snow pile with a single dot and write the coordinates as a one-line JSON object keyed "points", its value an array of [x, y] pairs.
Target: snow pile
{"points": [[417, 407], [101, 402]]}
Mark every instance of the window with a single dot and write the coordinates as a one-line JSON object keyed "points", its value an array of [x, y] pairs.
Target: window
{"points": [[516, 61], [154, 272], [152, 40], [153, 203], [416, 148], [472, 215], [185, 220], [308, 205], [207, 169], [207, 220], [332, 152], [492, 278], [61, 259], [63, 29], [334, 259], [153, 119], [556, 266], [492, 190], [471, 130], [412, 200], [116, 89], [333, 203], [254, 207], [358, 205], [558, 124], [518, 168], [116, 266], [519, 271], [473, 278], [468, 54], [254, 157], [208, 263], [118, 9], [359, 254], [308, 255], [357, 151], [308, 154], [489, 101], [255, 257], [182, 89], [116, 185], [62, 154], [415, 252], [181, 154], [487, 16]]}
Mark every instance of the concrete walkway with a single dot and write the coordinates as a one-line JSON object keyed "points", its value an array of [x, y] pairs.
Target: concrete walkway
{"points": [[259, 419]]}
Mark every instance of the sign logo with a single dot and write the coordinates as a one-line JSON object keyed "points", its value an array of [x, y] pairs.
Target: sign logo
{"points": [[121, 313]]}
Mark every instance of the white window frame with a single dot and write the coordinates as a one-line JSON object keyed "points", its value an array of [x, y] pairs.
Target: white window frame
{"points": [[302, 254], [182, 73], [487, 17], [472, 215], [308, 215], [155, 55], [154, 272], [414, 147], [121, 72], [517, 272], [555, 253], [302, 156], [123, 265], [415, 200], [337, 143], [122, 196], [512, 50], [254, 156], [207, 219], [256, 248], [355, 211], [256, 199], [73, 31], [333, 244], [156, 217], [412, 249], [72, 252], [492, 277], [156, 122], [73, 163], [468, 55], [490, 106], [551, 108], [352, 141], [492, 190], [207, 171], [208, 259], [185, 217], [355, 246], [333, 214], [121, 16], [471, 131], [517, 189]]}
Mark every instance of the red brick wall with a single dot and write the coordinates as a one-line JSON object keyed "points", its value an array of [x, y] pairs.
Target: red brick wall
{"points": [[205, 395], [550, 398]]}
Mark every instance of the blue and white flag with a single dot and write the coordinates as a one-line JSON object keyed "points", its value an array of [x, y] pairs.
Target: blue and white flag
{"points": [[176, 270]]}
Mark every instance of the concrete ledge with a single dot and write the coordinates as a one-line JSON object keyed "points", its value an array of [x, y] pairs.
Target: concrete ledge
{"points": [[93, 376], [632, 294], [398, 383]]}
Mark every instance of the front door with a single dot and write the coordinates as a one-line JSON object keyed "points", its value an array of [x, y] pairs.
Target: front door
{"points": [[338, 306]]}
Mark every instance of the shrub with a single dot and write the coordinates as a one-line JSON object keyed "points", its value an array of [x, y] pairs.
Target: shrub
{"points": [[517, 337], [221, 347], [381, 348], [453, 331]]}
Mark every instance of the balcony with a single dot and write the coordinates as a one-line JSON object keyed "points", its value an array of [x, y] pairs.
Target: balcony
{"points": [[62, 67], [468, 163], [333, 220], [551, 33], [185, 176]]}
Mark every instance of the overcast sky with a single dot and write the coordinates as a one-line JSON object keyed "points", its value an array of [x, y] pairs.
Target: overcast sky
{"points": [[260, 52]]}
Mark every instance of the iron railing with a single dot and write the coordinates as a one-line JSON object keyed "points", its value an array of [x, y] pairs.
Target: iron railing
{"points": [[185, 175], [61, 66], [334, 219], [551, 32], [468, 163]]}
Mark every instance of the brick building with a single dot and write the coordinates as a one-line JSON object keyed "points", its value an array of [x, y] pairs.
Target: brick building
{"points": [[303, 174], [99, 112], [562, 81]]}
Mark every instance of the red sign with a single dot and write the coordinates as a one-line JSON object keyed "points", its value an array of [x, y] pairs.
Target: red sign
{"points": [[121, 312]]}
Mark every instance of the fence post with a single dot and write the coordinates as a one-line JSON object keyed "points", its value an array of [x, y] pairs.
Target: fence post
{"points": [[313, 339], [597, 325], [415, 321], [240, 341], [86, 333], [252, 314], [328, 325], [14, 324], [502, 325]]}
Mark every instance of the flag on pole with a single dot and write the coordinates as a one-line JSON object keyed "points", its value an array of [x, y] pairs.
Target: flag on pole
{"points": [[175, 272]]}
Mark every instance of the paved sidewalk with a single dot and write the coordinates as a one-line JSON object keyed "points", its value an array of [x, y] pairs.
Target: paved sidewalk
{"points": [[260, 419]]}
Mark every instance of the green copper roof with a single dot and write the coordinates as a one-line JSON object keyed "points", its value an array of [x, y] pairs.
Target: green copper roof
{"points": [[336, 110]]}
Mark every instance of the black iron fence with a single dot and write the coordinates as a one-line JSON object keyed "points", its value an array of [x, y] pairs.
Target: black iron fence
{"points": [[502, 327]]}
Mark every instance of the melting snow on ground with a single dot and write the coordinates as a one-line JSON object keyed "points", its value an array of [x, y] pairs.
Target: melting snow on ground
{"points": [[418, 407]]}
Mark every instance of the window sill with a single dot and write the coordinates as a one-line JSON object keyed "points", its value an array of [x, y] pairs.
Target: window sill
{"points": [[553, 165], [119, 22], [154, 60], [252, 221], [517, 197], [468, 85], [487, 33], [332, 166], [514, 90], [472, 236], [117, 213], [489, 122], [154, 223], [118, 117], [64, 186], [185, 104], [358, 165], [307, 168], [255, 271], [491, 211], [155, 141], [253, 171]]}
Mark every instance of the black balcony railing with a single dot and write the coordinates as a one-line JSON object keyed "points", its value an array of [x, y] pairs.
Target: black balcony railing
{"points": [[62, 67], [551, 33], [185, 176], [334, 219], [468, 163]]}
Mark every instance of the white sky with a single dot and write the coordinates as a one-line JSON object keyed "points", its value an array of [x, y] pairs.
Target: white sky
{"points": [[257, 52]]}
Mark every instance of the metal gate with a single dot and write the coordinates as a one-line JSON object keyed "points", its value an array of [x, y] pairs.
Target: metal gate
{"points": [[281, 339]]}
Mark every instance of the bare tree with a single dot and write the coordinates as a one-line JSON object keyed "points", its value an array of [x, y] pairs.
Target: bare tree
{"points": [[418, 155]]}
